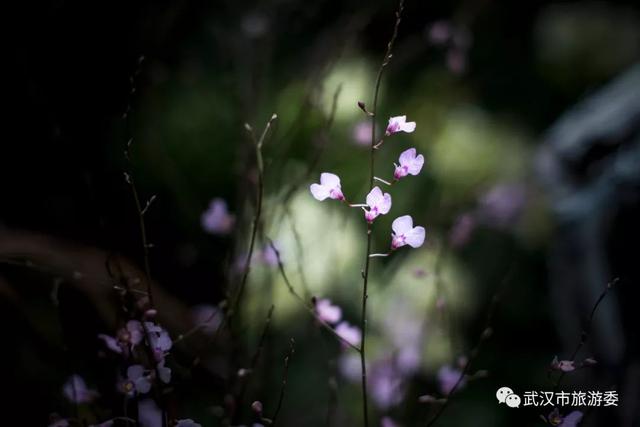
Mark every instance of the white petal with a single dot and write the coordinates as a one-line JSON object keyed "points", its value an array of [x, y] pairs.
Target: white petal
{"points": [[143, 385], [385, 204], [408, 127], [375, 197], [415, 238], [320, 192], [402, 224], [416, 165], [330, 180], [407, 157], [134, 372], [398, 119]]}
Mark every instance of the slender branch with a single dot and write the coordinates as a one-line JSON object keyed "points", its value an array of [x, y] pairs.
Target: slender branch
{"points": [[584, 335], [256, 355], [484, 335], [256, 218], [365, 274], [287, 358], [307, 307]]}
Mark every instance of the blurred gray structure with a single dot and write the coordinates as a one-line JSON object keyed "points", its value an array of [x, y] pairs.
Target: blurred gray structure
{"points": [[589, 164]]}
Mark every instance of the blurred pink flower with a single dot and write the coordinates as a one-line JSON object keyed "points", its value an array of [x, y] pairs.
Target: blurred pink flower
{"points": [[400, 124], [349, 366], [404, 233], [440, 32], [329, 187], [562, 365], [217, 219], [379, 204], [327, 312], [136, 382], [447, 378], [388, 422], [385, 384], [462, 230], [456, 60], [269, 256], [502, 205], [207, 317], [351, 334], [362, 133], [76, 391], [410, 164], [159, 340]]}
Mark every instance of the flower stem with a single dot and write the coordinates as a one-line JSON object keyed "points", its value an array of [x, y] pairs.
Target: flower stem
{"points": [[365, 273], [382, 180]]}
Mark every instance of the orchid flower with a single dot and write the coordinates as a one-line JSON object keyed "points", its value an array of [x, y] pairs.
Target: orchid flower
{"points": [[217, 219], [131, 334], [329, 187], [404, 233], [410, 164], [379, 204], [136, 382], [327, 312], [400, 124]]}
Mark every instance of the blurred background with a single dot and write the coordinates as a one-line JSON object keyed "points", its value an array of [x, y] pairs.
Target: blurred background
{"points": [[528, 116]]}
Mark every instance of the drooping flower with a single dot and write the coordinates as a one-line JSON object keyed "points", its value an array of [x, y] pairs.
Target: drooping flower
{"points": [[327, 312], [562, 365], [404, 233], [329, 187], [410, 164], [76, 390], [136, 381], [379, 204], [448, 377], [400, 124], [350, 334], [217, 219]]}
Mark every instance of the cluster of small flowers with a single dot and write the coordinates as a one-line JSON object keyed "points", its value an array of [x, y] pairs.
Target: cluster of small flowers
{"points": [[377, 202], [132, 341]]}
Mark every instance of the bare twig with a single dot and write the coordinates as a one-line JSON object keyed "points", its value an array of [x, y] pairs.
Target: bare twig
{"points": [[309, 308], [256, 218], [484, 335], [287, 358], [584, 335]]}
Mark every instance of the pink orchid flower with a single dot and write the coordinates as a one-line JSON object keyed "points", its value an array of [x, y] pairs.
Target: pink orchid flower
{"points": [[329, 187], [379, 204], [400, 124], [130, 335], [404, 233], [350, 334], [217, 219], [136, 382], [410, 164], [327, 312]]}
